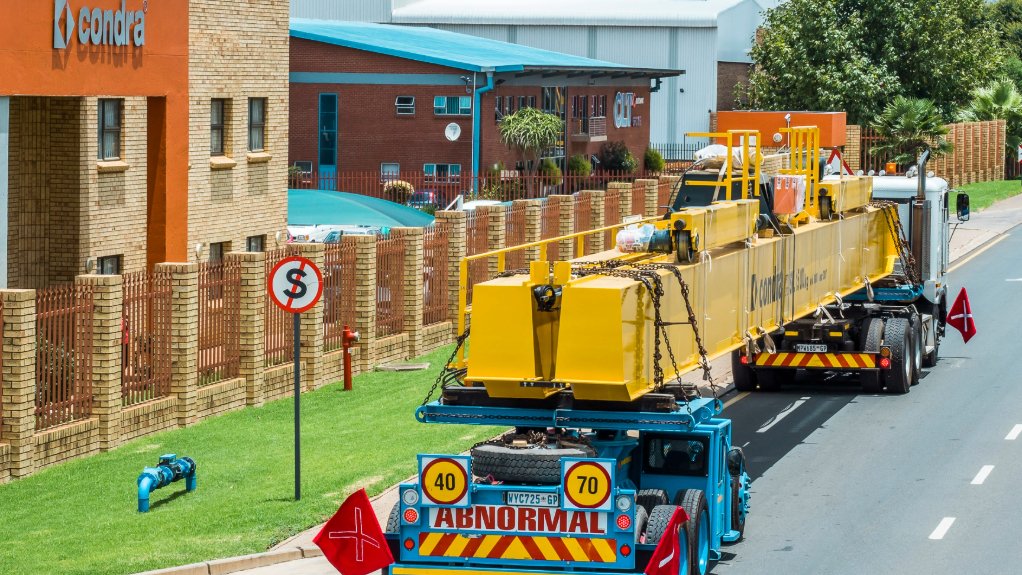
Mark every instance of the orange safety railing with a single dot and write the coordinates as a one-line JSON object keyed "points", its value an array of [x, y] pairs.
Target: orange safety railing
{"points": [[390, 286], [219, 321], [435, 274], [338, 292], [279, 327], [145, 337], [63, 355]]}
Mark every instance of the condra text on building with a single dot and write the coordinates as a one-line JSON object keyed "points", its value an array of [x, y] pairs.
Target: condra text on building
{"points": [[98, 27]]}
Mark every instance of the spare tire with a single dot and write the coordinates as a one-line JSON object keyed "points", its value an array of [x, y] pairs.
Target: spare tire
{"points": [[394, 520], [650, 498], [533, 464]]}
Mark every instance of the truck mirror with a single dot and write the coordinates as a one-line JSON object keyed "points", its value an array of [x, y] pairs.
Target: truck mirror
{"points": [[962, 206]]}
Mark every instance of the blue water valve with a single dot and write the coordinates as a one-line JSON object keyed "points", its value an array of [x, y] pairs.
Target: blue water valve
{"points": [[167, 471]]}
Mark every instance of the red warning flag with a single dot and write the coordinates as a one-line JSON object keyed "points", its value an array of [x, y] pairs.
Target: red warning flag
{"points": [[352, 540], [667, 557], [960, 316]]}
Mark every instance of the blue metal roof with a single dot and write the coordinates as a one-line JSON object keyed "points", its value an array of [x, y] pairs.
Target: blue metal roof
{"points": [[440, 47]]}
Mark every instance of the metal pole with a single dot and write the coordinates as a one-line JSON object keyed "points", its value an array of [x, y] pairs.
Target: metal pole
{"points": [[298, 411]]}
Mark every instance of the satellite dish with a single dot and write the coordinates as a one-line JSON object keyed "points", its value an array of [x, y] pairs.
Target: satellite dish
{"points": [[452, 132]]}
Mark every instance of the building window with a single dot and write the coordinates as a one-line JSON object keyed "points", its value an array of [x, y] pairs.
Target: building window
{"points": [[217, 123], [553, 101], [256, 124], [255, 243], [108, 265], [452, 105], [217, 251], [405, 105], [328, 129], [442, 172], [600, 106], [110, 113], [389, 172]]}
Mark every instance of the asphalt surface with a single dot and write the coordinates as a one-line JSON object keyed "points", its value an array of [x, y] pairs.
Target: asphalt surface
{"points": [[846, 482]]}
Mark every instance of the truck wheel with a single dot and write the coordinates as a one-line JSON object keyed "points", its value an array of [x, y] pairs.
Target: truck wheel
{"points": [[657, 523], [641, 520], [650, 499], [897, 335], [540, 465], [771, 379], [916, 331], [930, 358], [394, 518], [737, 517], [697, 528], [870, 337], [744, 376]]}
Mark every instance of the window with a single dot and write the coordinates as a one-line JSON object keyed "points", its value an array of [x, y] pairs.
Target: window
{"points": [[110, 112], [328, 129], [217, 251], [526, 102], [600, 106], [553, 101], [108, 265], [666, 455], [389, 172], [452, 105], [442, 172], [217, 121], [255, 243], [405, 105], [256, 124]]}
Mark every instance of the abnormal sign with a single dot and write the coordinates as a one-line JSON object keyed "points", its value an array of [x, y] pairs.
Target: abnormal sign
{"points": [[295, 284], [444, 480]]}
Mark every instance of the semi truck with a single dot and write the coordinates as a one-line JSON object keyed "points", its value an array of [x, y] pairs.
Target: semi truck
{"points": [[582, 361]]}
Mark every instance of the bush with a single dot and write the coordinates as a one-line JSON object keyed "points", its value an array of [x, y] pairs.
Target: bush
{"points": [[615, 157], [653, 160], [579, 165], [398, 189], [550, 172]]}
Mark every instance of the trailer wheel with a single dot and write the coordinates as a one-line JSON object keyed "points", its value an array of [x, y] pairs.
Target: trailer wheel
{"points": [[744, 376], [898, 337], [657, 523], [697, 528], [641, 520], [870, 337], [916, 332], [649, 499], [394, 518], [737, 516], [540, 465], [771, 379]]}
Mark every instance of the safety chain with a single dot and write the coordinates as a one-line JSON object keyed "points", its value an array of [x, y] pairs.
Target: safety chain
{"points": [[904, 249], [444, 373]]}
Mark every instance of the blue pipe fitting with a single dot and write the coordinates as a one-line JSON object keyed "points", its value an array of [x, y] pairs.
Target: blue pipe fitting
{"points": [[167, 471]]}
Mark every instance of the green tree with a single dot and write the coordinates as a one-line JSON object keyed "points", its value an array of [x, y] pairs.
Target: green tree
{"points": [[1007, 14], [530, 131], [855, 55], [1001, 100], [907, 127]]}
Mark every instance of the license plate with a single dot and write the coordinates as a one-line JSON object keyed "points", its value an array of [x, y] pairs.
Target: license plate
{"points": [[811, 347], [528, 499]]}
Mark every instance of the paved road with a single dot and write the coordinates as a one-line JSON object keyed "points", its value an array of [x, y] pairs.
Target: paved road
{"points": [[854, 483]]}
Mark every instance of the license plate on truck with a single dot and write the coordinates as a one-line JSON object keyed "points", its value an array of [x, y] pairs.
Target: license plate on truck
{"points": [[530, 499], [811, 347]]}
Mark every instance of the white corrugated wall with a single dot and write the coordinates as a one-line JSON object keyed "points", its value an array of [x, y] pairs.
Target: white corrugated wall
{"points": [[379, 11]]}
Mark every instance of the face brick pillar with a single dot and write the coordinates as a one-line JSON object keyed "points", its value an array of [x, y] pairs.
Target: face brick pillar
{"points": [[413, 288], [107, 334], [252, 299], [456, 247], [533, 226], [18, 384], [365, 299], [624, 192], [312, 326], [567, 213], [650, 195], [594, 243], [184, 337]]}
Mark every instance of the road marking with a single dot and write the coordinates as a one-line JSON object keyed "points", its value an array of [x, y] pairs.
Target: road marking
{"points": [[992, 243], [1013, 279], [942, 528], [747, 444], [984, 472], [1014, 433], [777, 418], [736, 398]]}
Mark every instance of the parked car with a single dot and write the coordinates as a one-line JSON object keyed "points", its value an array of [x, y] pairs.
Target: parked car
{"points": [[424, 199]]}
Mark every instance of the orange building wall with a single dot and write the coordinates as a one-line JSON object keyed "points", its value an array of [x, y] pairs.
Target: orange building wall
{"points": [[831, 124]]}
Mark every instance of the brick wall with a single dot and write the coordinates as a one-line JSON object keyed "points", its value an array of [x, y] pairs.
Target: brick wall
{"points": [[729, 76]]}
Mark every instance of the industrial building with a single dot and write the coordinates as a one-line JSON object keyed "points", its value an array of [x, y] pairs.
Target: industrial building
{"points": [[709, 39]]}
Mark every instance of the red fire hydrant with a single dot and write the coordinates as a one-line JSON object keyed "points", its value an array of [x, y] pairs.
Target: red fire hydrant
{"points": [[348, 339]]}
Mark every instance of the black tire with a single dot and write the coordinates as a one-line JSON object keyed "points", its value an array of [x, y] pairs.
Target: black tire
{"points": [[897, 336], [826, 208], [649, 499], [657, 523], [737, 521], [771, 379], [870, 338], [530, 465], [930, 358], [916, 333], [694, 502], [394, 518], [641, 520], [744, 376]]}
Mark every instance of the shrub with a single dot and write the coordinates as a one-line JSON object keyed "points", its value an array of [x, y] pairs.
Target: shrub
{"points": [[550, 172], [398, 189], [579, 165], [653, 160], [615, 157]]}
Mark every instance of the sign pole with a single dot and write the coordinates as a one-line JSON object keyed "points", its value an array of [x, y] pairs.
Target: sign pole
{"points": [[298, 411]]}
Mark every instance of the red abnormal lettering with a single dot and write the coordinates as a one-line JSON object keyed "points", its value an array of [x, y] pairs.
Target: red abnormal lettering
{"points": [[526, 519], [594, 524], [578, 523], [463, 517], [506, 519], [444, 519], [552, 520], [484, 518]]}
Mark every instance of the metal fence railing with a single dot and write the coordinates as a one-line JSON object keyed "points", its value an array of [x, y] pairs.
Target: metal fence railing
{"points": [[476, 242], [278, 325], [680, 152], [338, 292], [550, 228], [663, 195], [435, 275], [583, 222], [638, 206], [390, 286], [145, 337], [514, 234], [219, 321], [611, 216], [63, 355]]}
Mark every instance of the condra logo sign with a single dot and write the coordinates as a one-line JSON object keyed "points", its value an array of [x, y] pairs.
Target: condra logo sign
{"points": [[98, 27]]}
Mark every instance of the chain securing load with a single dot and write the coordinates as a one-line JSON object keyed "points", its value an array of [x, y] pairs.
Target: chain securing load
{"points": [[908, 260]]}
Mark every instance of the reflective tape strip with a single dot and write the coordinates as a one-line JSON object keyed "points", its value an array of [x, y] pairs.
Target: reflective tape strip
{"points": [[518, 547], [817, 360]]}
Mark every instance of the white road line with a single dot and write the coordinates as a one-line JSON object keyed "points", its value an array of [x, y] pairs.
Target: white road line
{"points": [[777, 418], [747, 444], [942, 528], [1013, 279], [1014, 433], [984, 472]]}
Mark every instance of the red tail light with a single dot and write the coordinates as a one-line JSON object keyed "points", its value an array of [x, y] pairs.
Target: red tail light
{"points": [[885, 363], [411, 516], [745, 360], [623, 522], [409, 544], [626, 551]]}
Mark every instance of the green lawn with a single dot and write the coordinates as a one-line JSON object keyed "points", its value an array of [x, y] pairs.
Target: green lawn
{"points": [[984, 194], [80, 517]]}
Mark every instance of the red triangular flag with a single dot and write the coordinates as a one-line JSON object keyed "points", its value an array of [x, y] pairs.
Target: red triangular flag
{"points": [[352, 540], [666, 558], [960, 316]]}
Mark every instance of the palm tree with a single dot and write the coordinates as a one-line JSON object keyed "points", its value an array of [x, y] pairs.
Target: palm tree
{"points": [[1001, 100], [907, 127], [530, 131]]}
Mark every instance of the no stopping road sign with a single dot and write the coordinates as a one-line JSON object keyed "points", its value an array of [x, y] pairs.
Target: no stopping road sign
{"points": [[295, 284]]}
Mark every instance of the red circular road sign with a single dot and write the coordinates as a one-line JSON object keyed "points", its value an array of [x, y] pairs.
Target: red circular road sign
{"points": [[295, 284], [587, 485]]}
